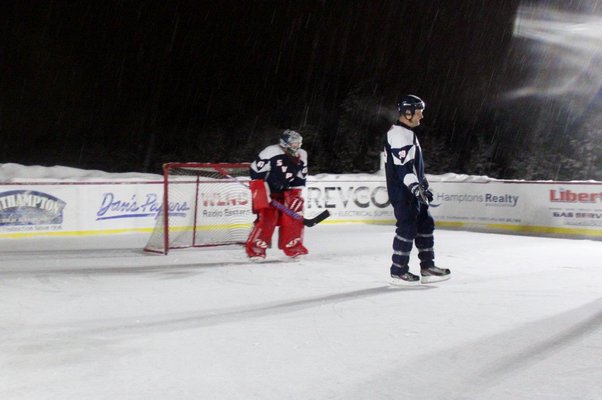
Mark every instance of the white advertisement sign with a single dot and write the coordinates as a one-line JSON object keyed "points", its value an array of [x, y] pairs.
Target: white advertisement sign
{"points": [[571, 209], [78, 208], [363, 201]]}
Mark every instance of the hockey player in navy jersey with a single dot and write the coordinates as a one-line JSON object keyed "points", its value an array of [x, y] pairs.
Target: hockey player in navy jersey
{"points": [[410, 196], [279, 173]]}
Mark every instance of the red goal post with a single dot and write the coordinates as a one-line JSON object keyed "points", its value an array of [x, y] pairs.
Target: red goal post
{"points": [[204, 204]]}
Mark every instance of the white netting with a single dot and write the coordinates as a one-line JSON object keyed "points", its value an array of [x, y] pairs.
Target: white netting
{"points": [[209, 205]]}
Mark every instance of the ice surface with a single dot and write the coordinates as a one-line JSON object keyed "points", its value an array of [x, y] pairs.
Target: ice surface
{"points": [[521, 318]]}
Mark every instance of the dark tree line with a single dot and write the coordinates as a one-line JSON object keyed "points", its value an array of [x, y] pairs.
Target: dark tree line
{"points": [[126, 86]]}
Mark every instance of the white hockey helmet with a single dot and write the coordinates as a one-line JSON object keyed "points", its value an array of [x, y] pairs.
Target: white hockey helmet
{"points": [[291, 141]]}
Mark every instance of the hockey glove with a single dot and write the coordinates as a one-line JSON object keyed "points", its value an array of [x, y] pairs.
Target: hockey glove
{"points": [[429, 195], [421, 193], [293, 200], [425, 184], [278, 184]]}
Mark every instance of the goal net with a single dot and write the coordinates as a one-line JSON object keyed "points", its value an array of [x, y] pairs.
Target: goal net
{"points": [[203, 205]]}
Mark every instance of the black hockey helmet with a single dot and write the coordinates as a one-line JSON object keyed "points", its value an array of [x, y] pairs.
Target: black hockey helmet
{"points": [[291, 141], [410, 103]]}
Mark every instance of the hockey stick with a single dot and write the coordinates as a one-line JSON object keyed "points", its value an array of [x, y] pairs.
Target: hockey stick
{"points": [[309, 222]]}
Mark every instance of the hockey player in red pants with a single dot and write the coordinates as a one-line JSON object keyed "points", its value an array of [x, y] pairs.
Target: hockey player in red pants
{"points": [[279, 173]]}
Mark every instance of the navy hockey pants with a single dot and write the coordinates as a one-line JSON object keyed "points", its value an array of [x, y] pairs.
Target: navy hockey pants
{"points": [[413, 225]]}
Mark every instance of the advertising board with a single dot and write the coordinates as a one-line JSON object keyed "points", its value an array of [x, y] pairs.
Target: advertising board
{"points": [[568, 209]]}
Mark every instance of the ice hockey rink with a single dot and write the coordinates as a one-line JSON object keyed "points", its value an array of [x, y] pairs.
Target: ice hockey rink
{"points": [[521, 318]]}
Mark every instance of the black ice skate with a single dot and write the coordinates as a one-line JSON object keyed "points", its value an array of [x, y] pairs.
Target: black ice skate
{"points": [[405, 279], [434, 274]]}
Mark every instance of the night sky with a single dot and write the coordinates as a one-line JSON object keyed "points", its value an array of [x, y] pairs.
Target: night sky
{"points": [[127, 85]]}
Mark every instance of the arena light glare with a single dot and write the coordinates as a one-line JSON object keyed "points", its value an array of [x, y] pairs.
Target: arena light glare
{"points": [[563, 51]]}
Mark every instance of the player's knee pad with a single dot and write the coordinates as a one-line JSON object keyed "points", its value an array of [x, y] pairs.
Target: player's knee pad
{"points": [[291, 229], [291, 232], [406, 231], [426, 225], [263, 228]]}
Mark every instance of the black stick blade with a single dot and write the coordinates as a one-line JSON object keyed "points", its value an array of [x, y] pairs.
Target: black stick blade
{"points": [[317, 219]]}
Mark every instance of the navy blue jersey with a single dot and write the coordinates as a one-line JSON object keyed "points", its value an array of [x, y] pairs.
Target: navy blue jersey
{"points": [[280, 170], [404, 165]]}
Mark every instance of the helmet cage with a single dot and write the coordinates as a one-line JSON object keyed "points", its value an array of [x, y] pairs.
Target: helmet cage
{"points": [[291, 141]]}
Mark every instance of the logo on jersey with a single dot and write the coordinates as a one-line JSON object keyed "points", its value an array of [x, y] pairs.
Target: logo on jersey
{"points": [[402, 154]]}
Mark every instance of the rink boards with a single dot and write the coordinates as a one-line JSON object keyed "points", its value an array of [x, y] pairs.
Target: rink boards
{"points": [[101, 207]]}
